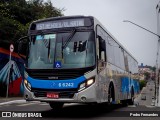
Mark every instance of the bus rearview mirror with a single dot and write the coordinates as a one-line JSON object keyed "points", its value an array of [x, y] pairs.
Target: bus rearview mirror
{"points": [[23, 47], [82, 46]]}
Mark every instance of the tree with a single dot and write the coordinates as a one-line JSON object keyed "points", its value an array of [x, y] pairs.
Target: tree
{"points": [[153, 68], [16, 15], [142, 84], [147, 75]]}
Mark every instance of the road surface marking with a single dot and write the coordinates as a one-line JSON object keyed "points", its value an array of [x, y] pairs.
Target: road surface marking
{"points": [[27, 104], [44, 104], [14, 101], [131, 106], [149, 106]]}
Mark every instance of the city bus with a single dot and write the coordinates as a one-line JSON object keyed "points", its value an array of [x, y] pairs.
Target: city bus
{"points": [[75, 59]]}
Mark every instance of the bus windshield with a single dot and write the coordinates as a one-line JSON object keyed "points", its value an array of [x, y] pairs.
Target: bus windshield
{"points": [[62, 50]]}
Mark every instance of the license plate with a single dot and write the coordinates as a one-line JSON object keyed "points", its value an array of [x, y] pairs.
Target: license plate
{"points": [[53, 95]]}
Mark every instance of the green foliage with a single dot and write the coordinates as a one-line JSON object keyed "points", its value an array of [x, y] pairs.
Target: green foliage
{"points": [[142, 84], [153, 68], [147, 75], [16, 15]]}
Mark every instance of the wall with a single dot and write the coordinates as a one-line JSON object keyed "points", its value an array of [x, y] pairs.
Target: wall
{"points": [[14, 78]]}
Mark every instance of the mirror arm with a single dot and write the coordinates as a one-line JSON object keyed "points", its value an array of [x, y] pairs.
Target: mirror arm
{"points": [[18, 41], [97, 64], [21, 39]]}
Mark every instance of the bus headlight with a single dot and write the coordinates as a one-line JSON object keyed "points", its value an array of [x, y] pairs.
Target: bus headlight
{"points": [[90, 82], [86, 84], [27, 84]]}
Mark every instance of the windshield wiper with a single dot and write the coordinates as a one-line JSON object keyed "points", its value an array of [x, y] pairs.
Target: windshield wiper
{"points": [[69, 38], [49, 48]]}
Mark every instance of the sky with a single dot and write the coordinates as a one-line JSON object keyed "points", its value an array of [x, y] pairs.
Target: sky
{"points": [[111, 13]]}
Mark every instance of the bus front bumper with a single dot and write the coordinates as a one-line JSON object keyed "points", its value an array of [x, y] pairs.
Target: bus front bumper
{"points": [[85, 96]]}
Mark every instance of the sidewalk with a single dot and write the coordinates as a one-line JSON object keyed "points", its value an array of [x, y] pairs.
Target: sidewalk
{"points": [[9, 100]]}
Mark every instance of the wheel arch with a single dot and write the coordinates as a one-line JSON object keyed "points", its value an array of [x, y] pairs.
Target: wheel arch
{"points": [[111, 85]]}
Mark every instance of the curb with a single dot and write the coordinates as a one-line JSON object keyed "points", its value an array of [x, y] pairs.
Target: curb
{"points": [[13, 101]]}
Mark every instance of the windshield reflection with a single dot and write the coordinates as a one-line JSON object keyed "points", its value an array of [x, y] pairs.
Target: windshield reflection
{"points": [[48, 51]]}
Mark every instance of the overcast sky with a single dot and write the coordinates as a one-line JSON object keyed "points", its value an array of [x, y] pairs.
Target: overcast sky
{"points": [[111, 13]]}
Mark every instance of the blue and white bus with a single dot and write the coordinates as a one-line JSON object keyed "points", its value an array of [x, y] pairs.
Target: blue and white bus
{"points": [[74, 59]]}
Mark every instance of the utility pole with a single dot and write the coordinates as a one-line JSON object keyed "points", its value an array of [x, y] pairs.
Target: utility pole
{"points": [[157, 90], [157, 59]]}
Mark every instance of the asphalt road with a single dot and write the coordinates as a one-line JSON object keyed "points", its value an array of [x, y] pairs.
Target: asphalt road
{"points": [[148, 92], [82, 111]]}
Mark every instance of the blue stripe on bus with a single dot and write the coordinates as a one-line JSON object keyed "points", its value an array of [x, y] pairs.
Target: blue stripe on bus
{"points": [[127, 83], [56, 84], [136, 86]]}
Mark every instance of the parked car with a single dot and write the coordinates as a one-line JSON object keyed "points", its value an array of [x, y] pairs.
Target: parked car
{"points": [[153, 102], [153, 97]]}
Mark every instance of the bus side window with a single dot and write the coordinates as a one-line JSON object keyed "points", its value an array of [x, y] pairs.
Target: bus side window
{"points": [[102, 49], [101, 54]]}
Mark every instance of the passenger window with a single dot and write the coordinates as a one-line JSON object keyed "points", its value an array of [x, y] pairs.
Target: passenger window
{"points": [[102, 49], [101, 54]]}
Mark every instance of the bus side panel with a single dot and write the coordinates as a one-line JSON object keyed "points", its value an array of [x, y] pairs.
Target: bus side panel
{"points": [[136, 86], [125, 87], [102, 86]]}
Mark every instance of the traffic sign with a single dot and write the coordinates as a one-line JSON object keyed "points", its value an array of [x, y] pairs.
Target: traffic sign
{"points": [[11, 48], [57, 64]]}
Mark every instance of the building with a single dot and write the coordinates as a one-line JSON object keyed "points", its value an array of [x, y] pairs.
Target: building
{"points": [[143, 70]]}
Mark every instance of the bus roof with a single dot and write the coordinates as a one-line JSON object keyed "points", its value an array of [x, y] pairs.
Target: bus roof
{"points": [[61, 18]]}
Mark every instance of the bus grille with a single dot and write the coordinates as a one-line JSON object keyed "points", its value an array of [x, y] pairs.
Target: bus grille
{"points": [[57, 74]]}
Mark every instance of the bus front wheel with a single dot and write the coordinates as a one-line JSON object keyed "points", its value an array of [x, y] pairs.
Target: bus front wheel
{"points": [[111, 94], [131, 101]]}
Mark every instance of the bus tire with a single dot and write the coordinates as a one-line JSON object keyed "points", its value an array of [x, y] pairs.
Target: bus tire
{"points": [[124, 102], [56, 105], [111, 94], [131, 101]]}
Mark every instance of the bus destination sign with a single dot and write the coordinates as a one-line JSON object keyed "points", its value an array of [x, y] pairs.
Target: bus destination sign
{"points": [[60, 24]]}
